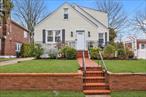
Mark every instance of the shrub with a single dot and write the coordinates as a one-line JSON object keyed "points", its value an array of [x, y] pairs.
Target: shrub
{"points": [[129, 53], [68, 52], [37, 51], [63, 51], [26, 50], [94, 53], [109, 51], [53, 53], [122, 54]]}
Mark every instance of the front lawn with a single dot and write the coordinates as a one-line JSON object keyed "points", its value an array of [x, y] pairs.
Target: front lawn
{"points": [[118, 66], [6, 59], [42, 66], [40, 94], [129, 94]]}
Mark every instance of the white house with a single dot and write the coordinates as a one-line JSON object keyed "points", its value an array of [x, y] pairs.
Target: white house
{"points": [[76, 26], [138, 46]]}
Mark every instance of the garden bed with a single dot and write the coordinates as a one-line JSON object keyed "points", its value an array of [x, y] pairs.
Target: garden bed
{"points": [[42, 66]]}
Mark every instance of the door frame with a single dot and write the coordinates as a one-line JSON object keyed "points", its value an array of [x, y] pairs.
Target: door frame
{"points": [[83, 31]]}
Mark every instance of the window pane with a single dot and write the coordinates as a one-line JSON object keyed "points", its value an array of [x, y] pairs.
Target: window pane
{"points": [[50, 36], [50, 33], [50, 39], [57, 36], [100, 35], [65, 16]]}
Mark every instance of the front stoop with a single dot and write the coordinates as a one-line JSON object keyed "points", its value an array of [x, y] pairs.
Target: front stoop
{"points": [[94, 82]]}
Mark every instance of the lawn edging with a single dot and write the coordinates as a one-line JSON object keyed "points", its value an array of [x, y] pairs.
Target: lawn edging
{"points": [[41, 81], [127, 81]]}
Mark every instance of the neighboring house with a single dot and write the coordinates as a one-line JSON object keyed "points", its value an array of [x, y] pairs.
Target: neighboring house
{"points": [[16, 36], [138, 46], [73, 25]]}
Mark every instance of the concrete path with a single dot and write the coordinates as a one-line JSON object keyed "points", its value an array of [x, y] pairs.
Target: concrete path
{"points": [[98, 96], [9, 62]]}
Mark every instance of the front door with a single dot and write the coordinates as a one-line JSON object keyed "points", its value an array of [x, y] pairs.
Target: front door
{"points": [[80, 40]]}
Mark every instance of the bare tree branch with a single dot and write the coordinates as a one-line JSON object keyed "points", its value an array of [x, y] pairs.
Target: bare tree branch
{"points": [[29, 13], [116, 16], [139, 21]]}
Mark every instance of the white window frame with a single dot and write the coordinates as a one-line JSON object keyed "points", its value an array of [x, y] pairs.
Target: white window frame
{"points": [[54, 34], [141, 46], [18, 47], [65, 12], [0, 44], [25, 34]]}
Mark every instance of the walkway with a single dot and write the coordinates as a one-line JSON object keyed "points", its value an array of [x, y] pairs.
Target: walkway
{"points": [[9, 62]]}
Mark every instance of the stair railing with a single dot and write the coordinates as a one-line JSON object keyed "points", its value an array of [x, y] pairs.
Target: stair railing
{"points": [[103, 66], [83, 64]]}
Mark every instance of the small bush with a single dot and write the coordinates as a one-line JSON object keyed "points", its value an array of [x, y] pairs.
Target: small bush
{"points": [[68, 52], [94, 53], [53, 53], [129, 53], [26, 50], [37, 51], [109, 52], [121, 54]]}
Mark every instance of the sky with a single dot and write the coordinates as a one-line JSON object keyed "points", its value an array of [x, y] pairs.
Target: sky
{"points": [[130, 7]]}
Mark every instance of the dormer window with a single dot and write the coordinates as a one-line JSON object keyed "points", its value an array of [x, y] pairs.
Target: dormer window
{"points": [[65, 13]]}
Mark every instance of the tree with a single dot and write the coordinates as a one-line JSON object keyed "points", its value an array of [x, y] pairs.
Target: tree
{"points": [[29, 12], [139, 21], [7, 7], [116, 15], [112, 35]]}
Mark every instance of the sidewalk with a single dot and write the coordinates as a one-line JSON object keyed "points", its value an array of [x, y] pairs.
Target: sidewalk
{"points": [[9, 62]]}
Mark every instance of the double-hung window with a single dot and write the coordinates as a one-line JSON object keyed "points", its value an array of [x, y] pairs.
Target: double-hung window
{"points": [[57, 36], [18, 47], [101, 39], [65, 13], [50, 36], [53, 36]]}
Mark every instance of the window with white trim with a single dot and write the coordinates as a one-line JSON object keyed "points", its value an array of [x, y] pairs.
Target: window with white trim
{"points": [[57, 36], [25, 34], [66, 13], [0, 44], [18, 47], [101, 39], [143, 46], [50, 36], [53, 36]]}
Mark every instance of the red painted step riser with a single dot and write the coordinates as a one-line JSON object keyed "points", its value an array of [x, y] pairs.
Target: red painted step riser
{"points": [[94, 75], [93, 69], [96, 88], [95, 81], [96, 93]]}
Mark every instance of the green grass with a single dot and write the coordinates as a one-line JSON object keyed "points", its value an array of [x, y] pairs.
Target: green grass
{"points": [[42, 66], [6, 59], [40, 94], [129, 94], [118, 66]]}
